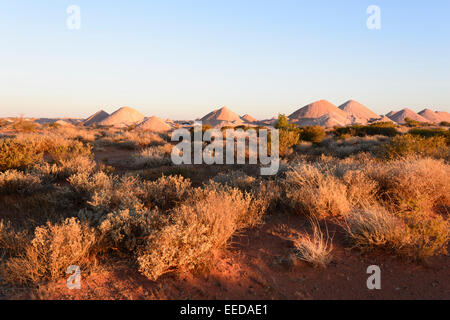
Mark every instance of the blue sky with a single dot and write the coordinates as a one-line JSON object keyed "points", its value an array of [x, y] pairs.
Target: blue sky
{"points": [[181, 59]]}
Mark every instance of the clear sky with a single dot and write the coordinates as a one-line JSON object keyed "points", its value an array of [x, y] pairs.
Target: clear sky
{"points": [[181, 59]]}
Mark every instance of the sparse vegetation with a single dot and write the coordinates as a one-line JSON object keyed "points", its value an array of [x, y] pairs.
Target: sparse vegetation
{"points": [[312, 134], [387, 191], [410, 145], [380, 128]]}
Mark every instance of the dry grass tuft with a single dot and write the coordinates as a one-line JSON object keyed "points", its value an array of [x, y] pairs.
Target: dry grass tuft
{"points": [[316, 248]]}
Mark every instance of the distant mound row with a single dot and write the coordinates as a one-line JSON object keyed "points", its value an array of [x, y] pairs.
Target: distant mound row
{"points": [[125, 117], [321, 113], [324, 113]]}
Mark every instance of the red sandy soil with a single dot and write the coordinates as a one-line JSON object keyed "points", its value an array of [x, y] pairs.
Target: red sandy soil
{"points": [[261, 264]]}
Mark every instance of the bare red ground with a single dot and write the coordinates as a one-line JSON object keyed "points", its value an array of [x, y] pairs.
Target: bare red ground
{"points": [[261, 264]]}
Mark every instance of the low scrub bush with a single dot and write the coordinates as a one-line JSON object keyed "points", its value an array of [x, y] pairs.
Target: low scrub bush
{"points": [[417, 234], [127, 230], [236, 179], [371, 228], [414, 145], [167, 191], [23, 125], [313, 134], [17, 155], [428, 133], [289, 135], [16, 182], [197, 228], [315, 191], [65, 149], [11, 242], [382, 128], [153, 156], [52, 250], [413, 182]]}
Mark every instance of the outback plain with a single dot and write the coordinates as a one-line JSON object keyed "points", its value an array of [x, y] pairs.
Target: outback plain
{"points": [[354, 189]]}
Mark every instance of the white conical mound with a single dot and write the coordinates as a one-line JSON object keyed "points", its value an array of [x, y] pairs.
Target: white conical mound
{"points": [[96, 118], [401, 115], [359, 111], [322, 113], [154, 124], [123, 117], [431, 115], [222, 117]]}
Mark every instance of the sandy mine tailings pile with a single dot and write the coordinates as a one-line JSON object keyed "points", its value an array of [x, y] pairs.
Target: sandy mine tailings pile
{"points": [[435, 117], [96, 118], [322, 113], [154, 124], [123, 117], [401, 115], [222, 117], [445, 116], [248, 118], [359, 111]]}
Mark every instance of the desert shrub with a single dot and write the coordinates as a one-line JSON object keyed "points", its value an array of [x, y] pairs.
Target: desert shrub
{"points": [[24, 125], [316, 248], [76, 164], [414, 123], [153, 156], [418, 234], [444, 124], [11, 242], [361, 189], [371, 228], [343, 148], [283, 123], [17, 155], [126, 193], [53, 249], [430, 233], [289, 135], [315, 191], [413, 182], [143, 138], [428, 133], [64, 150], [204, 223], [287, 139], [3, 123], [271, 192], [127, 230], [312, 134], [236, 179], [104, 193], [167, 191], [85, 184], [64, 168], [13, 181], [381, 128], [409, 145]]}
